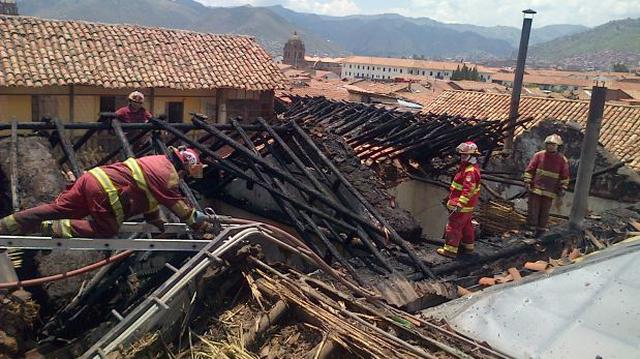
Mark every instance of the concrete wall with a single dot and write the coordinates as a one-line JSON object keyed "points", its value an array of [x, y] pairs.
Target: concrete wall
{"points": [[423, 201]]}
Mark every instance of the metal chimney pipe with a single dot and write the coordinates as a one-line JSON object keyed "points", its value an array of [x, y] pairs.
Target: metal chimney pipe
{"points": [[587, 158], [517, 78]]}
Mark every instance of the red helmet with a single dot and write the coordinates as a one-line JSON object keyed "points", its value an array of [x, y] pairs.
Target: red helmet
{"points": [[468, 148], [190, 158]]}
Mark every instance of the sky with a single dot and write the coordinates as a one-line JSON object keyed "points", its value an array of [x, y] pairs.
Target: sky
{"points": [[477, 12]]}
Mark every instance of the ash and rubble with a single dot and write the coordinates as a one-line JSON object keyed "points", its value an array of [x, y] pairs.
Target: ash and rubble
{"points": [[263, 303]]}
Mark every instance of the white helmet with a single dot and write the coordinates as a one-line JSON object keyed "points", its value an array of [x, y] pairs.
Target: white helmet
{"points": [[468, 148], [554, 139], [136, 96]]}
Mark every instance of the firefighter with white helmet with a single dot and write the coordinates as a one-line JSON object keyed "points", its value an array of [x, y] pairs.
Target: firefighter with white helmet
{"points": [[463, 197], [546, 178], [134, 112]]}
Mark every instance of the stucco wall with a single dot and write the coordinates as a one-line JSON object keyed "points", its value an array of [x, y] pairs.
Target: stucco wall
{"points": [[423, 201]]}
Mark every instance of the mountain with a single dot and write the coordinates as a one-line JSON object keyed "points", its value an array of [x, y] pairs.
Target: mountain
{"points": [[600, 47], [395, 35], [323, 23], [271, 30], [379, 35]]}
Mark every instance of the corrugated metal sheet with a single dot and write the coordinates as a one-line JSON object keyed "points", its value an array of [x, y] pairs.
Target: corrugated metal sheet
{"points": [[585, 310]]}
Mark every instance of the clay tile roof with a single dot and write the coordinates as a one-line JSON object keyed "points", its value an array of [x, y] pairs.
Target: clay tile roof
{"points": [[620, 132], [37, 52]]}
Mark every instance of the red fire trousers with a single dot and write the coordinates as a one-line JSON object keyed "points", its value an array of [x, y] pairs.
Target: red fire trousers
{"points": [[538, 211], [86, 197], [459, 229]]}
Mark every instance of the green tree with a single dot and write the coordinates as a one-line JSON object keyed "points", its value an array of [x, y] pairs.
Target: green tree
{"points": [[620, 67], [457, 74], [474, 74]]}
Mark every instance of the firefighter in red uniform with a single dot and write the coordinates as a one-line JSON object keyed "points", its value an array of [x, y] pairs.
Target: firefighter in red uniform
{"points": [[113, 193], [546, 177], [464, 195], [134, 112]]}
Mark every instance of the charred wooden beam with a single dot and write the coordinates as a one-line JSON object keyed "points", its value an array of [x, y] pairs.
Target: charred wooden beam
{"points": [[67, 148], [395, 237], [15, 200]]}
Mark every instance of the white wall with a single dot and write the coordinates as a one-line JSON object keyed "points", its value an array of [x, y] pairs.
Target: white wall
{"points": [[423, 201], [382, 72]]}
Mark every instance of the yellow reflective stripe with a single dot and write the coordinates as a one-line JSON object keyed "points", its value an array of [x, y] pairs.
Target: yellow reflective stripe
{"points": [[469, 169], [191, 220], [111, 191], [475, 190], [12, 226], [65, 228], [138, 176], [542, 172], [456, 185], [542, 192], [564, 181], [468, 246], [527, 175], [463, 200], [450, 248], [466, 209]]}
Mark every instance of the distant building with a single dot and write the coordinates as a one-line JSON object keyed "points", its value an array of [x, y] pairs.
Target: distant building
{"points": [[8, 7], [386, 68], [294, 52], [73, 70]]}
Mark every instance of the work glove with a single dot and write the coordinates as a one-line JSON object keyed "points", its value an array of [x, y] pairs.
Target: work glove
{"points": [[205, 223], [445, 200], [561, 193], [158, 223]]}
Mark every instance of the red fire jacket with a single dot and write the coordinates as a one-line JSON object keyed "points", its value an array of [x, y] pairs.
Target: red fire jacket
{"points": [[140, 189], [548, 173], [465, 188], [126, 115]]}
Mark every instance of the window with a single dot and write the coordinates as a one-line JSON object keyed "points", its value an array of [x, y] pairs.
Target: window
{"points": [[384, 69], [174, 111], [349, 65], [43, 106], [107, 103], [431, 73], [400, 70], [422, 72]]}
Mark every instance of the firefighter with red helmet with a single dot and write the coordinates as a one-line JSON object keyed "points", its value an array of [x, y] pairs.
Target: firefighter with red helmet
{"points": [[114, 193], [546, 177], [463, 197]]}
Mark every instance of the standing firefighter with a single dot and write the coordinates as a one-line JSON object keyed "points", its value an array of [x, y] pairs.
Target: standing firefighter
{"points": [[134, 112], [465, 191], [546, 177], [113, 193]]}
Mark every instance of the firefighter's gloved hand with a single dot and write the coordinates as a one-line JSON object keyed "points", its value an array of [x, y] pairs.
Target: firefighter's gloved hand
{"points": [[204, 222], [528, 186], [445, 200], [158, 223], [561, 193]]}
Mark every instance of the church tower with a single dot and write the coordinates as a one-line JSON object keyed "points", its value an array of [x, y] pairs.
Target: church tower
{"points": [[294, 52], [8, 7]]}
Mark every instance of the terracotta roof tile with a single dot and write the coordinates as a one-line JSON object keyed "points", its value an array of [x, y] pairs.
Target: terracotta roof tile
{"points": [[619, 134], [37, 52]]}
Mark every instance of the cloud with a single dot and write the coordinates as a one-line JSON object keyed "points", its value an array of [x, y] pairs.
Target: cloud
{"points": [[478, 12], [501, 12], [325, 7]]}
